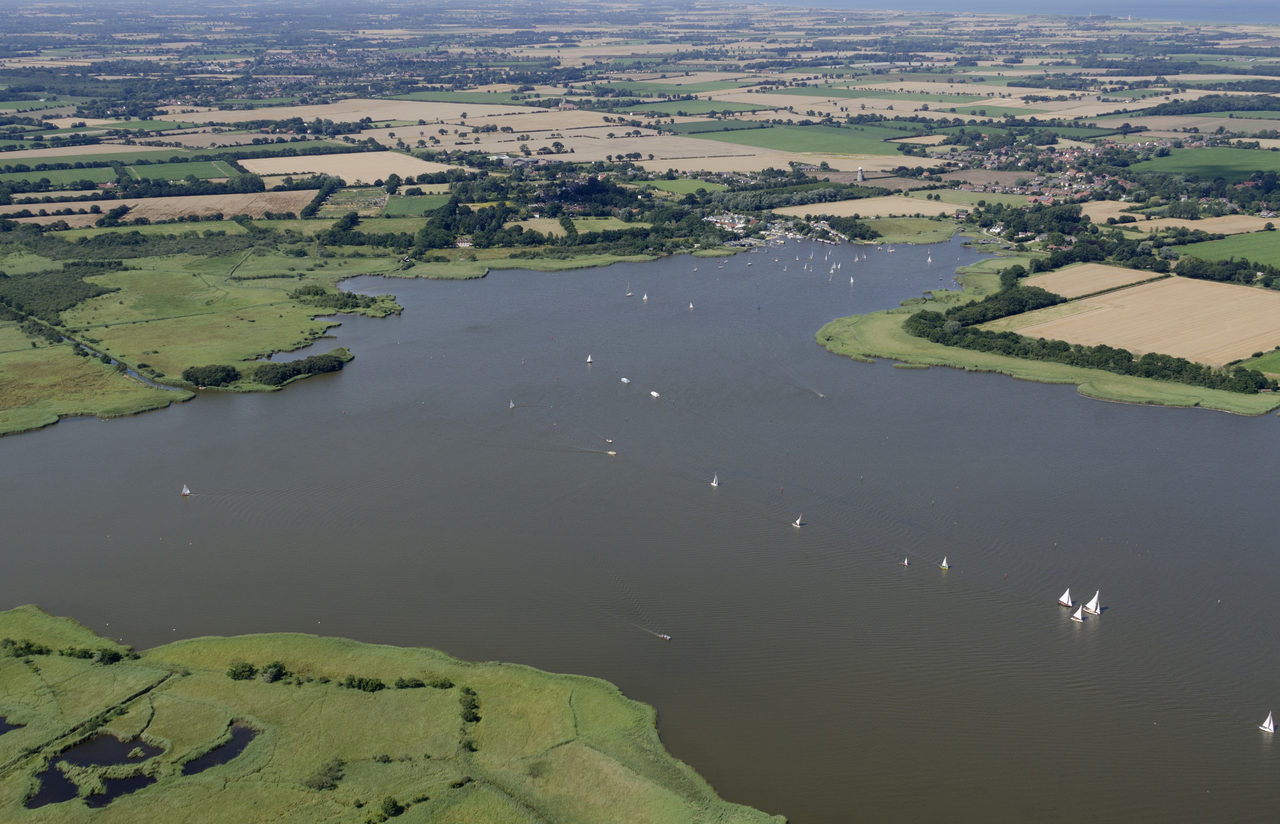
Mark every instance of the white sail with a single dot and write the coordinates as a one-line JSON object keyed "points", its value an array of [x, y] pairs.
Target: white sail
{"points": [[1269, 725], [690, 306], [1065, 600], [654, 393], [588, 359], [797, 521], [906, 562], [1078, 615], [185, 491], [715, 480], [944, 564], [645, 296], [511, 404], [625, 380], [629, 292], [1093, 607]]}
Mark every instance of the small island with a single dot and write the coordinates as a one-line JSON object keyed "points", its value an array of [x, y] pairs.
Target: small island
{"points": [[291, 727]]}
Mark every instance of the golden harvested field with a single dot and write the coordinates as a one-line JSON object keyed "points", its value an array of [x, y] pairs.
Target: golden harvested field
{"points": [[166, 208], [887, 206], [722, 159], [923, 140], [364, 167], [356, 108], [1087, 279], [1213, 323], [1099, 210]]}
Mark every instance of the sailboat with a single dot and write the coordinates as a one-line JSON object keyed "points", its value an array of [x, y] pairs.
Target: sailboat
{"points": [[588, 359], [1078, 615], [511, 404], [625, 380], [944, 564], [797, 522], [185, 490], [929, 259], [690, 306], [1269, 725], [645, 297], [629, 292], [654, 393], [1065, 600], [1093, 607], [906, 562], [715, 479]]}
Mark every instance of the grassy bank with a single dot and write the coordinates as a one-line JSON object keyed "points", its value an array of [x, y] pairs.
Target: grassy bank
{"points": [[880, 335], [538, 746]]}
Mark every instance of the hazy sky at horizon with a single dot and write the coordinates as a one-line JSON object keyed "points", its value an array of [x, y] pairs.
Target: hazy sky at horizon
{"points": [[1230, 11]]}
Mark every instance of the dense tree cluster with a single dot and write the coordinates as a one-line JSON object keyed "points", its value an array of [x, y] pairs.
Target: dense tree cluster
{"points": [[277, 373]]}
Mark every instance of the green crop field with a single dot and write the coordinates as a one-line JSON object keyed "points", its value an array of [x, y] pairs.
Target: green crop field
{"points": [[830, 139], [1233, 165], [1260, 247], [62, 177], [1248, 115], [645, 88], [912, 230], [413, 206], [202, 169], [683, 186], [339, 729], [699, 106]]}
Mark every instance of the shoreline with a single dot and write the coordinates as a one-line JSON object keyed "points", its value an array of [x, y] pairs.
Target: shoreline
{"points": [[416, 724], [880, 336]]}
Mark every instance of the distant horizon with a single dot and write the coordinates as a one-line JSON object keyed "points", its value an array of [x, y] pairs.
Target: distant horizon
{"points": [[1187, 11]]}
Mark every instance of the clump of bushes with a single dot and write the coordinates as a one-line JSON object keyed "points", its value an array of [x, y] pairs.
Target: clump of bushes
{"points": [[212, 375], [102, 655], [275, 374], [327, 776], [362, 683], [470, 705], [241, 671], [21, 649], [409, 683]]}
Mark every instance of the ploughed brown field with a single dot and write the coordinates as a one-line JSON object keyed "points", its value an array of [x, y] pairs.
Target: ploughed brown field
{"points": [[1202, 321]]}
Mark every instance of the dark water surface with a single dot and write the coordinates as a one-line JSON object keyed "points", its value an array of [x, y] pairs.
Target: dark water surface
{"points": [[812, 675]]}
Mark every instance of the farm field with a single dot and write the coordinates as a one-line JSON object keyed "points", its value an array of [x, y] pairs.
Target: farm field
{"points": [[1212, 323], [683, 186], [202, 169], [62, 177], [413, 205], [826, 139], [1087, 279], [1260, 247], [256, 204], [363, 167], [1234, 165], [886, 206]]}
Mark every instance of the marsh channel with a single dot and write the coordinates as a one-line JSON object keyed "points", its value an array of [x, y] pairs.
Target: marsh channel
{"points": [[406, 501]]}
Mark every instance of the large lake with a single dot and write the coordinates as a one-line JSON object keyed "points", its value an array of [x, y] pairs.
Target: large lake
{"points": [[811, 674]]}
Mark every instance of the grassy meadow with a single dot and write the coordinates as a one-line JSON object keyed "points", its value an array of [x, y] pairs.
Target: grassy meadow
{"points": [[1234, 165], [1260, 247], [537, 747]]}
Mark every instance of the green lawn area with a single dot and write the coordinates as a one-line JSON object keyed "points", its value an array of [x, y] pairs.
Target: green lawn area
{"points": [[89, 156], [222, 226], [413, 205], [676, 107], [684, 186], [202, 169], [1260, 247], [1234, 165], [1268, 363], [971, 198], [912, 230], [830, 139]]}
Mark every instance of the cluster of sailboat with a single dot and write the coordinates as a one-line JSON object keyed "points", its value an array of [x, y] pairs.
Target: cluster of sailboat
{"points": [[1094, 607]]}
